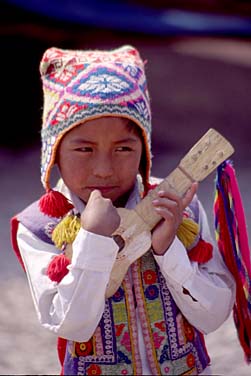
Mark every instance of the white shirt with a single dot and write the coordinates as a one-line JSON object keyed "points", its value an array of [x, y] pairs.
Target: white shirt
{"points": [[73, 308]]}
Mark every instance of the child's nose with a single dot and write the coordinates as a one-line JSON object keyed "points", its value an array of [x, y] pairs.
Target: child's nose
{"points": [[103, 166]]}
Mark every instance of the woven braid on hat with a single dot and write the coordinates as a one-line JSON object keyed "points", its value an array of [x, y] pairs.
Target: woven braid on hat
{"points": [[82, 85]]}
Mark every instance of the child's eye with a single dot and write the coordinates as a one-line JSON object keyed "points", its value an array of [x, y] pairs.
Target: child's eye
{"points": [[123, 148], [85, 149]]}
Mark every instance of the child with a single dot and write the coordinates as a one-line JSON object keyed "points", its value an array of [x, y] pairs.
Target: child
{"points": [[96, 129]]}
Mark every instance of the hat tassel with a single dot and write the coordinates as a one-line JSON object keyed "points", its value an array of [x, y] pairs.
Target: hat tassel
{"points": [[54, 204]]}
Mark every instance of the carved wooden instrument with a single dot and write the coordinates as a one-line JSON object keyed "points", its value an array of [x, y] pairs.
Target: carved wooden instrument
{"points": [[134, 233]]}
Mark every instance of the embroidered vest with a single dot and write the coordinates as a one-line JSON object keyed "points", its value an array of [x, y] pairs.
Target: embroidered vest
{"points": [[173, 345]]}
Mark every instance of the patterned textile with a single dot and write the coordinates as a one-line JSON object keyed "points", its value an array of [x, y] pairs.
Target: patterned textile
{"points": [[83, 85], [173, 346]]}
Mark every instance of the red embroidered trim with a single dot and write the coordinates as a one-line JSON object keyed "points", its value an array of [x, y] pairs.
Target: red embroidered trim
{"points": [[14, 228], [61, 347]]}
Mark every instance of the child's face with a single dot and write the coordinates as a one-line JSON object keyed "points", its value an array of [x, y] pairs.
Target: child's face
{"points": [[100, 154]]}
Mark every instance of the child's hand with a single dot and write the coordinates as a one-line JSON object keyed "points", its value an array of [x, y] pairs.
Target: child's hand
{"points": [[100, 216], [170, 206]]}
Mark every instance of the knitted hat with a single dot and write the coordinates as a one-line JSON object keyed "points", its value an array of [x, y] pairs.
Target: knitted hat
{"points": [[84, 85]]}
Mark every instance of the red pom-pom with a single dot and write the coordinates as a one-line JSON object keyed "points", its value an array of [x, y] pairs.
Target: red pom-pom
{"points": [[57, 268], [202, 252], [54, 204]]}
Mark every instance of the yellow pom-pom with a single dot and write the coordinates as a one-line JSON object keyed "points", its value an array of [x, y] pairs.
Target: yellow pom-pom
{"points": [[188, 232], [66, 231]]}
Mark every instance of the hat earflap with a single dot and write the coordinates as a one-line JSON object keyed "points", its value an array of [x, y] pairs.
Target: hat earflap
{"points": [[53, 203]]}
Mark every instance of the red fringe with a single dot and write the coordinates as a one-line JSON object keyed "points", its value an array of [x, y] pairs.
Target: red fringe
{"points": [[240, 311], [54, 204], [202, 252], [57, 268]]}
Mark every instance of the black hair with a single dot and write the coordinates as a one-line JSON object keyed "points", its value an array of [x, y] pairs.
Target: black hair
{"points": [[133, 127]]}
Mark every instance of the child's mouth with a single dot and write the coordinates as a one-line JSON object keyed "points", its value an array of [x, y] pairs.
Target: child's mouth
{"points": [[103, 189]]}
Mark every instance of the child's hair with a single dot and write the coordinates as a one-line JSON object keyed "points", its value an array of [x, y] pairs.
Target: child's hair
{"points": [[85, 85], [132, 127]]}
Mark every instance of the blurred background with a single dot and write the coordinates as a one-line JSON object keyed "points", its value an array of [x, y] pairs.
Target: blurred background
{"points": [[199, 76]]}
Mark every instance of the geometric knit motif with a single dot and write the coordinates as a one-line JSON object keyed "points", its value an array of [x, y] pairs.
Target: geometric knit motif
{"points": [[83, 85], [173, 345]]}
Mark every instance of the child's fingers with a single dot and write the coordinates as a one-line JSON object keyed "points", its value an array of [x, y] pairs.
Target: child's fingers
{"points": [[169, 209], [172, 201], [166, 202], [96, 194], [171, 194], [165, 213], [189, 195]]}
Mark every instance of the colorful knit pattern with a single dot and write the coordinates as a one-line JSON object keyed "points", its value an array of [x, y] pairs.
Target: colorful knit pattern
{"points": [[84, 85], [231, 234]]}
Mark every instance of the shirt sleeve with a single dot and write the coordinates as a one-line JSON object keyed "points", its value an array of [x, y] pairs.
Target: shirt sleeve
{"points": [[204, 293], [73, 307]]}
